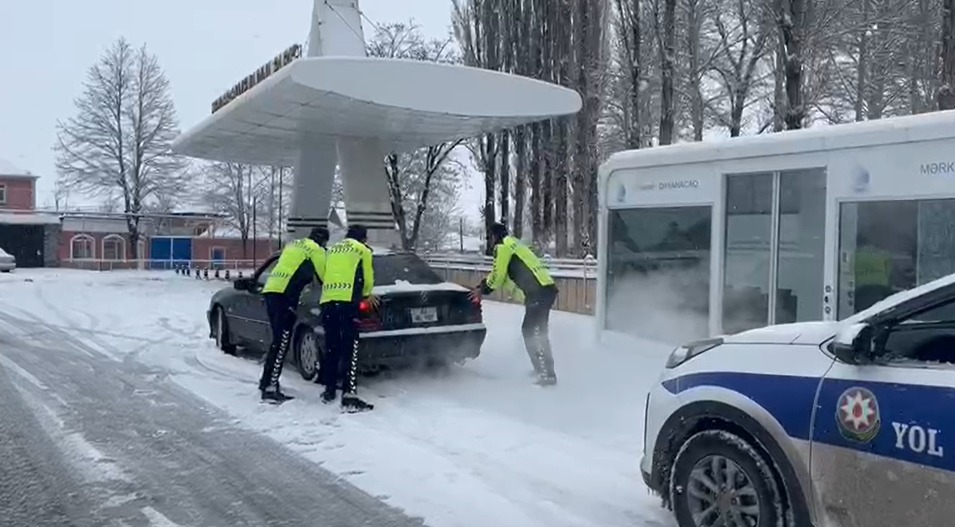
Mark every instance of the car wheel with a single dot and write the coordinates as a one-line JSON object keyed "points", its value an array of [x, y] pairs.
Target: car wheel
{"points": [[223, 341], [308, 354], [6, 270], [720, 479]]}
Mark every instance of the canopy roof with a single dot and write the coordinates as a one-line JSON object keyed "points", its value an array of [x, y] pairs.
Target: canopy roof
{"points": [[405, 104]]}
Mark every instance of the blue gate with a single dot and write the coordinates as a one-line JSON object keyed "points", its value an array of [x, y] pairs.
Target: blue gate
{"points": [[167, 252], [182, 250]]}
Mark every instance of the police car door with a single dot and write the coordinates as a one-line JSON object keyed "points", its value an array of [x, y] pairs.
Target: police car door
{"points": [[883, 449]]}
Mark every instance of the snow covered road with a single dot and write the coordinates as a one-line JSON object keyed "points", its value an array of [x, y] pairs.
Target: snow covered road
{"points": [[137, 450], [121, 357]]}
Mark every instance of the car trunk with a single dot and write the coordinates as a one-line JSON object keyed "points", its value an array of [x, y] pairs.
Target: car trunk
{"points": [[422, 309]]}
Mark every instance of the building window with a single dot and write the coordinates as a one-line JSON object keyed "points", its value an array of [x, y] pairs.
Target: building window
{"points": [[658, 274], [114, 248], [82, 247], [3, 194]]}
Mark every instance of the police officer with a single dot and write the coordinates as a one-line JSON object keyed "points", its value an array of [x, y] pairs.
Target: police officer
{"points": [[301, 261], [349, 277], [517, 269]]}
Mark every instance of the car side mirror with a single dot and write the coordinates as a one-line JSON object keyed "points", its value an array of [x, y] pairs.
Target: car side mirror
{"points": [[243, 284], [854, 343]]}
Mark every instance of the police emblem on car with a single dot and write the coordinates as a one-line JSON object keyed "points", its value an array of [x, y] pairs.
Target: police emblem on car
{"points": [[857, 413]]}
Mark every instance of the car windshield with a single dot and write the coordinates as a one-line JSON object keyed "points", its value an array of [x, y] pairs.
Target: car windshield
{"points": [[389, 268]]}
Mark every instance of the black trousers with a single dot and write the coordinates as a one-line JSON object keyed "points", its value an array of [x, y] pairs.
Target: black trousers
{"points": [[282, 321], [340, 362], [535, 328]]}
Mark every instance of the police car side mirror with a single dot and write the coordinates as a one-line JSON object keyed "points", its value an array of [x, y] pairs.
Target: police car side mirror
{"points": [[243, 284], [853, 344]]}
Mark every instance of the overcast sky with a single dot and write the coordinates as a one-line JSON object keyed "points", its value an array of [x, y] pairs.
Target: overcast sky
{"points": [[205, 46]]}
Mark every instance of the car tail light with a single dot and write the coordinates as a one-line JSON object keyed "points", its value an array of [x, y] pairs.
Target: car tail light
{"points": [[477, 310], [368, 319]]}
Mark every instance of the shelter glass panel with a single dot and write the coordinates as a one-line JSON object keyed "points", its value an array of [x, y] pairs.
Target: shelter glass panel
{"points": [[891, 246], [748, 251], [801, 255], [658, 272]]}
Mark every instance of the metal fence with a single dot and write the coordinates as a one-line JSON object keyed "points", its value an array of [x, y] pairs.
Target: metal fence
{"points": [[579, 268], [161, 265], [586, 267]]}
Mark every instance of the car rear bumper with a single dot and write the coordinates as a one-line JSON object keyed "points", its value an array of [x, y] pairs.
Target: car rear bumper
{"points": [[453, 343], [8, 266]]}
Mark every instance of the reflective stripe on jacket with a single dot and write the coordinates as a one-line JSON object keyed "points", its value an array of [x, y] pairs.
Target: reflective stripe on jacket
{"points": [[299, 264], [349, 274], [515, 262]]}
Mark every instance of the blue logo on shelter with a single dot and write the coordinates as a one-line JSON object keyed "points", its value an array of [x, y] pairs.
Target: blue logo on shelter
{"points": [[861, 179]]}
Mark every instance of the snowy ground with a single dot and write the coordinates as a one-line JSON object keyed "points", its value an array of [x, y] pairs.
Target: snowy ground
{"points": [[479, 446]]}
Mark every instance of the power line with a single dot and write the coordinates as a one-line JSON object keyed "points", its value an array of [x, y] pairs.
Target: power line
{"points": [[370, 21]]}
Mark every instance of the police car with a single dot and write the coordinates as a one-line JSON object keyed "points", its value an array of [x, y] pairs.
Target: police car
{"points": [[844, 424]]}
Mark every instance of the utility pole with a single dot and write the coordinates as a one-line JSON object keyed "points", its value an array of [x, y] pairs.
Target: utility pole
{"points": [[255, 237], [281, 203]]}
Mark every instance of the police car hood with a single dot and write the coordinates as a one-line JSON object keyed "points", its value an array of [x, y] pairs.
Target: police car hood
{"points": [[808, 333]]}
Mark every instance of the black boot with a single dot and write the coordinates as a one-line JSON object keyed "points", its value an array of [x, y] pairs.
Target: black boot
{"points": [[275, 397], [328, 396], [352, 404]]}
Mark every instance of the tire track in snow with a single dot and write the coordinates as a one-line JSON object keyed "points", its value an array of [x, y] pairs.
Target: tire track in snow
{"points": [[184, 460]]}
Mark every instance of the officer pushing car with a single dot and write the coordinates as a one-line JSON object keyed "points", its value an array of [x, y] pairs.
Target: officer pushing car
{"points": [[299, 264], [349, 278], [518, 270]]}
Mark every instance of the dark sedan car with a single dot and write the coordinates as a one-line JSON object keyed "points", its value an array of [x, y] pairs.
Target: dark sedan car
{"points": [[421, 320]]}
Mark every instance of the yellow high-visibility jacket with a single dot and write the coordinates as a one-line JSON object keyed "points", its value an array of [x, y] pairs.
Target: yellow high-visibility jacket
{"points": [[300, 263], [349, 274]]}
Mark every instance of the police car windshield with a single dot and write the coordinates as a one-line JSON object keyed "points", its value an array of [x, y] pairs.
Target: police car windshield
{"points": [[389, 268]]}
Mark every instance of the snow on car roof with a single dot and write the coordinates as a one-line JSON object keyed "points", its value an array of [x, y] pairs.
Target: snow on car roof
{"points": [[405, 286], [4, 253], [900, 297]]}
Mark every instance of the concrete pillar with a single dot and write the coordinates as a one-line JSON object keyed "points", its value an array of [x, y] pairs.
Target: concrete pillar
{"points": [[367, 200], [336, 30], [312, 186]]}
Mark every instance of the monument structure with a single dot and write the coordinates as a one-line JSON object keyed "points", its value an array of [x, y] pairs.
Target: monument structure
{"points": [[332, 105]]}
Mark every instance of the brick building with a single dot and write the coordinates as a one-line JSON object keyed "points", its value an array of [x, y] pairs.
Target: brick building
{"points": [[96, 240], [29, 236], [101, 241]]}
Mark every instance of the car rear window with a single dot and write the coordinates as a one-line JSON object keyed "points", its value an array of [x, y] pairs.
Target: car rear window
{"points": [[389, 268]]}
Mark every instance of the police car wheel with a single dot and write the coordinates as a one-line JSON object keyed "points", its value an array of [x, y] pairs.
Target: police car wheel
{"points": [[308, 354], [720, 479]]}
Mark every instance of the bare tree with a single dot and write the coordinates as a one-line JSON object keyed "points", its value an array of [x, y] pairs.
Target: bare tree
{"points": [[630, 38], [424, 190], [232, 189], [420, 183], [119, 139], [61, 196], [946, 92], [742, 40], [665, 36]]}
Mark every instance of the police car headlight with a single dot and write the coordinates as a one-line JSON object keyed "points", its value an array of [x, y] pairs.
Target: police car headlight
{"points": [[690, 350]]}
